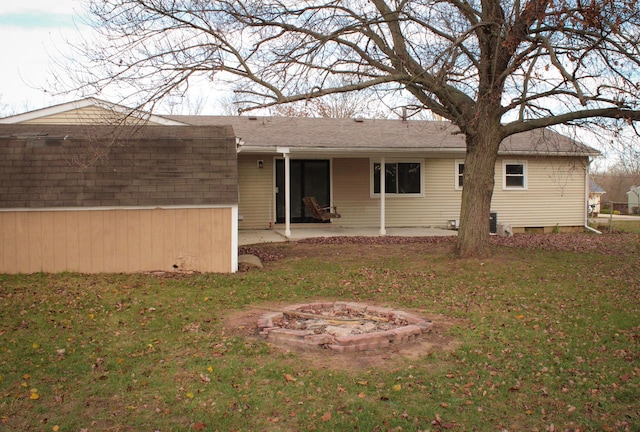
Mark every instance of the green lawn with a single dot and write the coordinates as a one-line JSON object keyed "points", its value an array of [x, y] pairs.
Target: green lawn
{"points": [[630, 226], [545, 339]]}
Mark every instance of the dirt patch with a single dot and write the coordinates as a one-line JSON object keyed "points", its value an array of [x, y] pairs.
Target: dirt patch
{"points": [[438, 339]]}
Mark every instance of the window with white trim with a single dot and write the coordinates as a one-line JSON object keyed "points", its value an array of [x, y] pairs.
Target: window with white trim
{"points": [[514, 175], [459, 174], [401, 178]]}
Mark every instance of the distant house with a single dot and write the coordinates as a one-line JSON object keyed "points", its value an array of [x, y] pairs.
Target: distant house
{"points": [[541, 177], [633, 200], [595, 197]]}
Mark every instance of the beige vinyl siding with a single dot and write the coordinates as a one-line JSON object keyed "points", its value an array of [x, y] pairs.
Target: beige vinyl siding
{"points": [[85, 115], [256, 200], [555, 194], [352, 195], [96, 241]]}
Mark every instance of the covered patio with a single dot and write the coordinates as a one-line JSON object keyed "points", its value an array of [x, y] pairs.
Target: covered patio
{"points": [[304, 231]]}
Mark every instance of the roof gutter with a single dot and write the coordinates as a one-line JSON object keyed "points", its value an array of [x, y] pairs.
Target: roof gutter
{"points": [[558, 153], [378, 150]]}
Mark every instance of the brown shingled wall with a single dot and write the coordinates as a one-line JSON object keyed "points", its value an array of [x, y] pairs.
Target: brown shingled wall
{"points": [[98, 166]]}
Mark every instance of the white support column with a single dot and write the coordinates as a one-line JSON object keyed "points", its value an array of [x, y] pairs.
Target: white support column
{"points": [[287, 195], [234, 238], [383, 178]]}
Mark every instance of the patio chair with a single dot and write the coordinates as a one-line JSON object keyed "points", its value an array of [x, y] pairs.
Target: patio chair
{"points": [[320, 212]]}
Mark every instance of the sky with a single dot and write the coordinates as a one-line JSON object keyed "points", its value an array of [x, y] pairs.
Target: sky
{"points": [[32, 33], [35, 32]]}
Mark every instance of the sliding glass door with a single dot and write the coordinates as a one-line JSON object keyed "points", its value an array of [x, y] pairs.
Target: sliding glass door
{"points": [[308, 178]]}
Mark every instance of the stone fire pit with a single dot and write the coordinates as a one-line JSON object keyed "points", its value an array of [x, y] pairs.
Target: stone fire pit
{"points": [[341, 326]]}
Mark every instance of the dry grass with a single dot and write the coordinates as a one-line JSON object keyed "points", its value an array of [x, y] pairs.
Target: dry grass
{"points": [[541, 336]]}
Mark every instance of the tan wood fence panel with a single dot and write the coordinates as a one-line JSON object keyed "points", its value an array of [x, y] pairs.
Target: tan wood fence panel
{"points": [[96, 241]]}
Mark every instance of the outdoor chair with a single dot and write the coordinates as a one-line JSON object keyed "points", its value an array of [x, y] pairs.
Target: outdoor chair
{"points": [[323, 213]]}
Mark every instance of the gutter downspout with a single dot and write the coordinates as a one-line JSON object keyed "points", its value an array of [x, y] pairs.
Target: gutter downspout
{"points": [[586, 199]]}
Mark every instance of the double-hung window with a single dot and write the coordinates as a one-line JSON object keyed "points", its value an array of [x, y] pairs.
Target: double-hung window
{"points": [[514, 175], [459, 174], [400, 178]]}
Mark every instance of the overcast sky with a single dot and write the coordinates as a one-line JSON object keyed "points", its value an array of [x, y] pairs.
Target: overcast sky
{"points": [[32, 31]]}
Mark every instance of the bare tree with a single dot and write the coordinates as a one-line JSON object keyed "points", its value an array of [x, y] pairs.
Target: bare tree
{"points": [[336, 105], [492, 67], [627, 151], [617, 180], [5, 109]]}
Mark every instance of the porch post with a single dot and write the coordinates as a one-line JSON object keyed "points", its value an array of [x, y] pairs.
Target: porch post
{"points": [[287, 194], [383, 178]]}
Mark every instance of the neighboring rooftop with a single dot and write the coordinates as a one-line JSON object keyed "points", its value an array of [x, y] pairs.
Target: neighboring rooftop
{"points": [[595, 188]]}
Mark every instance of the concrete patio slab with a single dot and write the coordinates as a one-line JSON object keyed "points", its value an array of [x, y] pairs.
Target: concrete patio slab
{"points": [[247, 237]]}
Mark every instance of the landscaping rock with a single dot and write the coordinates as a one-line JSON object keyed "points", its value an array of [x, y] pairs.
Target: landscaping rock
{"points": [[248, 261]]}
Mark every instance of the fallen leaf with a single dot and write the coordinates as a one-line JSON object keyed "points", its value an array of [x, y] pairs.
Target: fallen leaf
{"points": [[56, 428], [326, 416], [204, 378], [397, 387], [362, 395], [289, 378], [199, 426]]}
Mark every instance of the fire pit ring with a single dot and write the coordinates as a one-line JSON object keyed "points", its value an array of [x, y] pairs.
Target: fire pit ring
{"points": [[403, 327]]}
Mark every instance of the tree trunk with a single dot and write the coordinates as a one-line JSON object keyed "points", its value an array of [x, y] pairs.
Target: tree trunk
{"points": [[479, 172]]}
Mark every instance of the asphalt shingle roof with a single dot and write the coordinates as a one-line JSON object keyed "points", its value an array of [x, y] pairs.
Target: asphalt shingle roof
{"points": [[377, 135]]}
